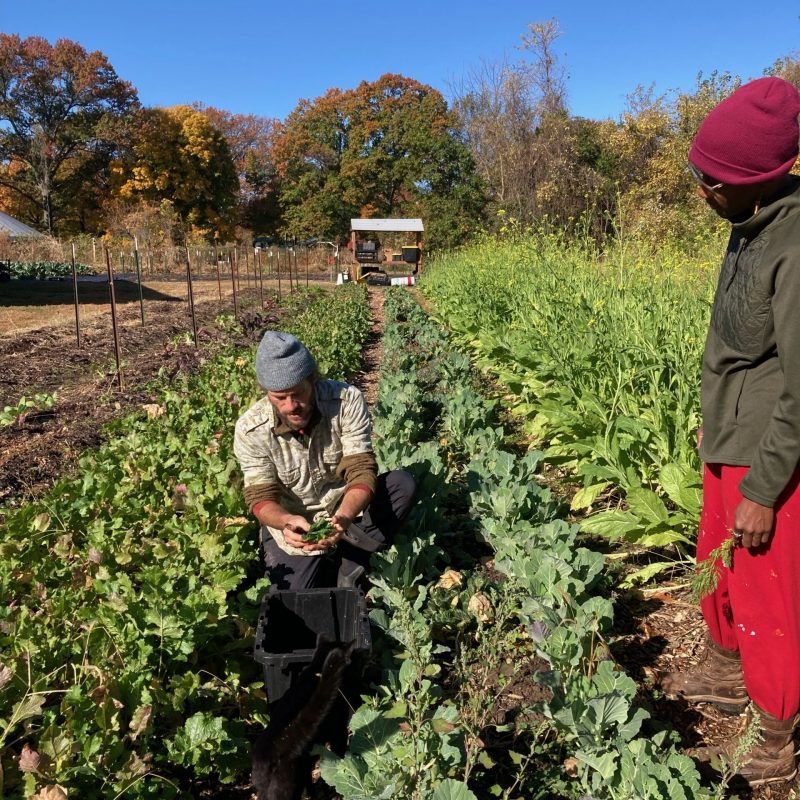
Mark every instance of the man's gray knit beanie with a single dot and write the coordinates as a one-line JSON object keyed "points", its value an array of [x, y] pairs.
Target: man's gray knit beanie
{"points": [[282, 361]]}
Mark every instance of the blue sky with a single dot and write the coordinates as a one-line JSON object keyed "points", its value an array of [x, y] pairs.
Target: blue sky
{"points": [[262, 57]]}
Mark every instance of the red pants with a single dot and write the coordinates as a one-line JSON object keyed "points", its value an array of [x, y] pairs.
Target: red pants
{"points": [[756, 606]]}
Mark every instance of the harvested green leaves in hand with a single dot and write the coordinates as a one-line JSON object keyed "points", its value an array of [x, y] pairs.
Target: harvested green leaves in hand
{"points": [[320, 529], [706, 575]]}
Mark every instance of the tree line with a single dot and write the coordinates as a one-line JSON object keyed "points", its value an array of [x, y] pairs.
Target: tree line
{"points": [[79, 153]]}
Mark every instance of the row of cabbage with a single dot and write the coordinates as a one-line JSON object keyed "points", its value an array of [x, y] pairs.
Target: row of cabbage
{"points": [[600, 354], [128, 594], [461, 636]]}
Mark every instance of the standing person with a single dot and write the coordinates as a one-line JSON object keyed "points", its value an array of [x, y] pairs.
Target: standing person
{"points": [[750, 440], [305, 452]]}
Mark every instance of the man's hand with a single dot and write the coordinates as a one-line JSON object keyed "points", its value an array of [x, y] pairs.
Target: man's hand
{"points": [[353, 503], [753, 523], [341, 522], [296, 526], [293, 529]]}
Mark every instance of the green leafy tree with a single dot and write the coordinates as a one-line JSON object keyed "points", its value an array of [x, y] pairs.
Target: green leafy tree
{"points": [[384, 149], [60, 121]]}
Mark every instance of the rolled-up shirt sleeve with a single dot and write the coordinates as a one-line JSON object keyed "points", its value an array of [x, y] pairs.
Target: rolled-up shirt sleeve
{"points": [[361, 468], [259, 492], [358, 464]]}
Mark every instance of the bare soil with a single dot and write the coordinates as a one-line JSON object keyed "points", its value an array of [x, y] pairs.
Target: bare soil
{"points": [[367, 378], [30, 305]]}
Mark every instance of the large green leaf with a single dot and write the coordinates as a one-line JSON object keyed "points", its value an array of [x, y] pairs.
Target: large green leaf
{"points": [[611, 524], [452, 790], [645, 574], [603, 763], [585, 496], [647, 505], [682, 485], [666, 536]]}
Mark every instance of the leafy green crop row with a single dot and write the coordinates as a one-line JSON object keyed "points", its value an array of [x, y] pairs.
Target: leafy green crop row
{"points": [[423, 737], [334, 328], [42, 270], [128, 597], [601, 359]]}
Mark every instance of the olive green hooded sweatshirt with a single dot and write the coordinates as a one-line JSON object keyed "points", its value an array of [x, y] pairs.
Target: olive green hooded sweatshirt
{"points": [[751, 366]]}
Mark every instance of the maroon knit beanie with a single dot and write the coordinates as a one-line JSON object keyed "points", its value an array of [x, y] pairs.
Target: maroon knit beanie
{"points": [[751, 136]]}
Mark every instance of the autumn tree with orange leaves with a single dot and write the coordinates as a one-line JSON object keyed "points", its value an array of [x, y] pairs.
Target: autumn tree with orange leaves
{"points": [[250, 138], [384, 149], [179, 160], [61, 113]]}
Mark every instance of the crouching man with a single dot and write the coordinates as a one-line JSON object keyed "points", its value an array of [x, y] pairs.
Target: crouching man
{"points": [[305, 452]]}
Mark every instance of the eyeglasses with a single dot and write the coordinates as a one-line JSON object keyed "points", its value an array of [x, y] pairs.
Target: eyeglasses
{"points": [[701, 179]]}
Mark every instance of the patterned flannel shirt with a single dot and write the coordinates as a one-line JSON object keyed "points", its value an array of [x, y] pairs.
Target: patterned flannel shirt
{"points": [[307, 474]]}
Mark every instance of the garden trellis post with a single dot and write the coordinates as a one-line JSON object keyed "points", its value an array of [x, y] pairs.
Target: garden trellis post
{"points": [[191, 295], [233, 284], [138, 276], [113, 299], [257, 260], [278, 270], [216, 264], [75, 290]]}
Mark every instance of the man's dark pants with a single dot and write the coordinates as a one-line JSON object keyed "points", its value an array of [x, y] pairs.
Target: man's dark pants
{"points": [[394, 496]]}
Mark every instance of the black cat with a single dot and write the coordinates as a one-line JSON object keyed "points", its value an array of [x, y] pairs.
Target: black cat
{"points": [[281, 760]]}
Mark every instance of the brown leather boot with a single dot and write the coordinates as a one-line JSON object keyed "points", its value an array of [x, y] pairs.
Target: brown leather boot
{"points": [[771, 760], [717, 679]]}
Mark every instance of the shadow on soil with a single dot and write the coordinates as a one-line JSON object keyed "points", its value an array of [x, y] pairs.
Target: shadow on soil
{"points": [[48, 293]]}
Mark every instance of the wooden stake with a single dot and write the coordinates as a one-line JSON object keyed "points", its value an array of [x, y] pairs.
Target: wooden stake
{"points": [[138, 276], [216, 264], [278, 270], [233, 283], [257, 259]]}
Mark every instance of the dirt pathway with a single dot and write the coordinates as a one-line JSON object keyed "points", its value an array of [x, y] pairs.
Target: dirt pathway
{"points": [[367, 377]]}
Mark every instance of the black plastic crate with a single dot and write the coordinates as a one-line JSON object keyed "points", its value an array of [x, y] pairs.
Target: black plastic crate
{"points": [[290, 622]]}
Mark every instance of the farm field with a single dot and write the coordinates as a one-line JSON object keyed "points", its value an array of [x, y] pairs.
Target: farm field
{"points": [[513, 651], [22, 309], [45, 360]]}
